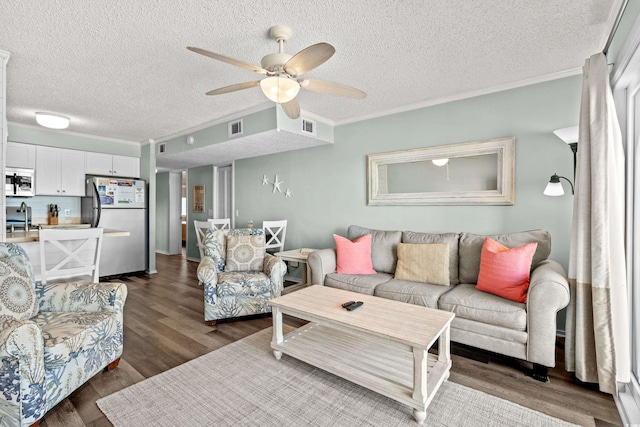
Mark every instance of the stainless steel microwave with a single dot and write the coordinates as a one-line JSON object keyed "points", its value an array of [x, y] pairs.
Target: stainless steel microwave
{"points": [[19, 182]]}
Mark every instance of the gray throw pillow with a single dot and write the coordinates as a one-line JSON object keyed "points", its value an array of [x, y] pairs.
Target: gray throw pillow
{"points": [[384, 246]]}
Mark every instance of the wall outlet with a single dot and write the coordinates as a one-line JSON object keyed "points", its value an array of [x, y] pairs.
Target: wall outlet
{"points": [[237, 213], [67, 213]]}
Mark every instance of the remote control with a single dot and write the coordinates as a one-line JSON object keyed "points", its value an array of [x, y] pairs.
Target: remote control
{"points": [[347, 304], [354, 306]]}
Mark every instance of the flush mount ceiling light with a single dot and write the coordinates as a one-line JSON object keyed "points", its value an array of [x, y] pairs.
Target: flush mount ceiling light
{"points": [[52, 121]]}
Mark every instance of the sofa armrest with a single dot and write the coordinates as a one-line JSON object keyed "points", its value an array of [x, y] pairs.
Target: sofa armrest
{"points": [[548, 293], [275, 268], [75, 297], [23, 398], [207, 271], [321, 263]]}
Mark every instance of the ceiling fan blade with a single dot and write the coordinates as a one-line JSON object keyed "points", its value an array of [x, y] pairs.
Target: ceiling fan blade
{"points": [[291, 108], [228, 60], [332, 88], [308, 59], [233, 88]]}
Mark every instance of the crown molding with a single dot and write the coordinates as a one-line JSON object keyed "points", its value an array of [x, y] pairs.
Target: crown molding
{"points": [[83, 135], [461, 96]]}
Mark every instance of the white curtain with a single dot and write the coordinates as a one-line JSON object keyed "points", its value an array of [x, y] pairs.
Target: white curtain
{"points": [[597, 343]]}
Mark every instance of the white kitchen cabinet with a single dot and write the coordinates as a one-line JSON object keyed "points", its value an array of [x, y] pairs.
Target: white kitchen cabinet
{"points": [[112, 165], [59, 172], [21, 155]]}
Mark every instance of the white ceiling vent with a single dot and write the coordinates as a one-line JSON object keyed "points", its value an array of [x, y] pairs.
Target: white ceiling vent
{"points": [[235, 128], [308, 126], [162, 148]]}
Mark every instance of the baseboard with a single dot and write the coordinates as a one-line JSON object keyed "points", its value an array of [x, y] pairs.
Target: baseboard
{"points": [[561, 333], [193, 259]]}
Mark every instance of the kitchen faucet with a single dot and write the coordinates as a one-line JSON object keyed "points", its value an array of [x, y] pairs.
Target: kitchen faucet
{"points": [[24, 208]]}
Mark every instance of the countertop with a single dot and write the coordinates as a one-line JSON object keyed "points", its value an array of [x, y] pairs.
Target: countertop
{"points": [[34, 236]]}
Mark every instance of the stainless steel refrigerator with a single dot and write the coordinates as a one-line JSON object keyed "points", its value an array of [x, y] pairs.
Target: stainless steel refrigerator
{"points": [[118, 204]]}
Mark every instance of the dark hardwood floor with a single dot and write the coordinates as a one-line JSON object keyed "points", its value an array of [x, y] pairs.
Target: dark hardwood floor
{"points": [[164, 327]]}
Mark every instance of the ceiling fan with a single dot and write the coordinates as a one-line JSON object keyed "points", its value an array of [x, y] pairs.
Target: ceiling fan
{"points": [[283, 71]]}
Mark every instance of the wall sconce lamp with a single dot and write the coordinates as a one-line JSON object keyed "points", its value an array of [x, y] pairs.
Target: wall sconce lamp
{"points": [[554, 187]]}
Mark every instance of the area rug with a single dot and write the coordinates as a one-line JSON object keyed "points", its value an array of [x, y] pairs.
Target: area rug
{"points": [[242, 384]]}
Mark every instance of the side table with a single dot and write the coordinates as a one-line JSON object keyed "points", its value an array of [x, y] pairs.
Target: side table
{"points": [[300, 256]]}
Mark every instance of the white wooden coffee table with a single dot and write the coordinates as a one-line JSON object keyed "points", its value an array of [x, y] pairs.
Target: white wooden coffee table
{"points": [[382, 345]]}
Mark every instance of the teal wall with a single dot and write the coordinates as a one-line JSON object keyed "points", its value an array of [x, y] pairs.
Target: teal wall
{"points": [[162, 212], [61, 139], [198, 176], [328, 183]]}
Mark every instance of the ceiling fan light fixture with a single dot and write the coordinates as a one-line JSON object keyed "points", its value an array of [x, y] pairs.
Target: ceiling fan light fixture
{"points": [[52, 121], [279, 89]]}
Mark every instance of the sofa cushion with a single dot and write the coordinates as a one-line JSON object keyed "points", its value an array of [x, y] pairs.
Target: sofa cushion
{"points": [[17, 295], [450, 239], [245, 253], [353, 257], [426, 263], [383, 247], [411, 292], [242, 283], [505, 272], [364, 284], [469, 303], [471, 247], [66, 335]]}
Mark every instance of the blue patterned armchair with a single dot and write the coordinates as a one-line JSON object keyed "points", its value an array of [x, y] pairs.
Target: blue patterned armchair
{"points": [[53, 338], [239, 277]]}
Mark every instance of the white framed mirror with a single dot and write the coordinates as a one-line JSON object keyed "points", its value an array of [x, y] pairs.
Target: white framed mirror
{"points": [[469, 173]]}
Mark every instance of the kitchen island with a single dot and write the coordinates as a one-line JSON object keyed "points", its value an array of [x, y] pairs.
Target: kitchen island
{"points": [[33, 236]]}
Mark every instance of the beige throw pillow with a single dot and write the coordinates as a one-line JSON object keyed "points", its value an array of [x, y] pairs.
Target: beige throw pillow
{"points": [[426, 263], [245, 253]]}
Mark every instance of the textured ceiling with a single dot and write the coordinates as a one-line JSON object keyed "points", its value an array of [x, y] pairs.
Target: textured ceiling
{"points": [[121, 69]]}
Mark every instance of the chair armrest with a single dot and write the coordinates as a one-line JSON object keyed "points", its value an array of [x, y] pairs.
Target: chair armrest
{"points": [[23, 398], [75, 297], [275, 268], [548, 293], [321, 263], [207, 271]]}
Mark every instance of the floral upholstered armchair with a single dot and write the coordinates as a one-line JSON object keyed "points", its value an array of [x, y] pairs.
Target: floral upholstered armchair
{"points": [[239, 277], [53, 338]]}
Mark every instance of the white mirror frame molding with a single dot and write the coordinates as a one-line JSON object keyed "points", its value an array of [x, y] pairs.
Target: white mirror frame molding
{"points": [[504, 195]]}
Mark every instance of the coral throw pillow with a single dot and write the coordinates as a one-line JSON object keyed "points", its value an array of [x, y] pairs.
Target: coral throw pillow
{"points": [[353, 257], [505, 272]]}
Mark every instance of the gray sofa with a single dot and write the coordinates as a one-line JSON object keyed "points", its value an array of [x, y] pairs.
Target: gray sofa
{"points": [[525, 331]]}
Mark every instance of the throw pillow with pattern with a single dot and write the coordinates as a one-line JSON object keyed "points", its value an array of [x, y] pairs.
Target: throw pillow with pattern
{"points": [[18, 297], [214, 246], [245, 253]]}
